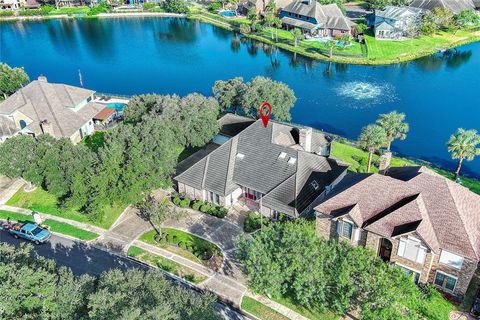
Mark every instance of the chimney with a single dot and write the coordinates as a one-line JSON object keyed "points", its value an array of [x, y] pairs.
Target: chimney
{"points": [[47, 128], [385, 162], [306, 138], [42, 78]]}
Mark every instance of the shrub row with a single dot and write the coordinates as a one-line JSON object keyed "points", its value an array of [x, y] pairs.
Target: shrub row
{"points": [[209, 208]]}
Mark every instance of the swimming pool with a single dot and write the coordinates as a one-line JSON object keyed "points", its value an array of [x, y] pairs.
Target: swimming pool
{"points": [[227, 13], [117, 106]]}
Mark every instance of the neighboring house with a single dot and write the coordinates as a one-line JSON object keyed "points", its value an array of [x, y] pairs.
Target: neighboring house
{"points": [[395, 23], [280, 169], [261, 5], [56, 109], [7, 128], [317, 19], [412, 217], [456, 6], [10, 4]]}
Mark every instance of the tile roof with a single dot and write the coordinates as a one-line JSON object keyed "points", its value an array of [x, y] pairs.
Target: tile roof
{"points": [[456, 6], [252, 159], [104, 114], [445, 214], [40, 100]]}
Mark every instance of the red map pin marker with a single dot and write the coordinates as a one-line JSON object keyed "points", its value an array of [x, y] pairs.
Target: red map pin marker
{"points": [[265, 117]]}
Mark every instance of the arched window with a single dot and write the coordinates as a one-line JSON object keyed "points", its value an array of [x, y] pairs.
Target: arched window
{"points": [[23, 124]]}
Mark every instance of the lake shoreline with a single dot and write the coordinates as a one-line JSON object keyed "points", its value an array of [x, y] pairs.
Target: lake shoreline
{"points": [[229, 26]]}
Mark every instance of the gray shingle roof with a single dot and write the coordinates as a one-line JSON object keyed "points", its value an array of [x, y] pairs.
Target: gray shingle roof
{"points": [[251, 159], [454, 5], [40, 100], [397, 13], [328, 16], [7, 127], [445, 214]]}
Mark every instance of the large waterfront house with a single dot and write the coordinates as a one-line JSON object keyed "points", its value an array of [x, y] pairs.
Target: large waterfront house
{"points": [[261, 5], [395, 23], [314, 18], [60, 110], [456, 6], [10, 4], [277, 169], [412, 217]]}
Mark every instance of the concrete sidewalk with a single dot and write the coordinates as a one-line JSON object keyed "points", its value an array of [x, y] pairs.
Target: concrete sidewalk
{"points": [[8, 188], [74, 223]]}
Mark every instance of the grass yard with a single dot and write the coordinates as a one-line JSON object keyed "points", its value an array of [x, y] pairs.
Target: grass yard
{"points": [[182, 243], [69, 11], [358, 159], [260, 310], [308, 313], [53, 225], [409, 49], [42, 201], [166, 265]]}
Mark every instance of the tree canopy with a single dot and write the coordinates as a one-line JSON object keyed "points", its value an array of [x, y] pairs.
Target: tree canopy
{"points": [[32, 287], [332, 275], [11, 79], [233, 93]]}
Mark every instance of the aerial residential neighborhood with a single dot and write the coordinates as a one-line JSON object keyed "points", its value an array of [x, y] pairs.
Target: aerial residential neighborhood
{"points": [[252, 159]]}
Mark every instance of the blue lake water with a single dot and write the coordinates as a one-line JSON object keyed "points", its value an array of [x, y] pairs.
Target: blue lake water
{"points": [[163, 55]]}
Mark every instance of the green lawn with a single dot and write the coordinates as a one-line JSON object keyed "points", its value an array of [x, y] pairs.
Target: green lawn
{"points": [[191, 243], [78, 10], [166, 264], [53, 225], [42, 201], [357, 159], [260, 310], [424, 45], [308, 313]]}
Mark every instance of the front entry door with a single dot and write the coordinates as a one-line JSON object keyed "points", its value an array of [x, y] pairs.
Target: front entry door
{"points": [[385, 250]]}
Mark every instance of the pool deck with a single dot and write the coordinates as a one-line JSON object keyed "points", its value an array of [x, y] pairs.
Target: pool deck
{"points": [[111, 100]]}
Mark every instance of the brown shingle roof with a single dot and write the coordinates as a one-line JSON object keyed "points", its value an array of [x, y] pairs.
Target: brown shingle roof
{"points": [[445, 214]]}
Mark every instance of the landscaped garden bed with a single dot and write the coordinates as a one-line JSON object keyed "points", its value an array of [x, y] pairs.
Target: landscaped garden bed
{"points": [[183, 201], [186, 245], [166, 265], [53, 225]]}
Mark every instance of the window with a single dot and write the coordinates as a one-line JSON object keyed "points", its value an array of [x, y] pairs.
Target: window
{"points": [[213, 197], [89, 99], [344, 229], [451, 259], [412, 249], [275, 215], [314, 184], [282, 155], [22, 124], [410, 273], [445, 281]]}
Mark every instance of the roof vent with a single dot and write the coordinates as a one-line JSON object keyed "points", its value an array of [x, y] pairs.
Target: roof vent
{"points": [[282, 155], [240, 156], [292, 160], [314, 184]]}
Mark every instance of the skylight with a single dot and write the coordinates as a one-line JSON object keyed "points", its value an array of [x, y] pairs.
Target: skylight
{"points": [[240, 156], [282, 155], [314, 184], [292, 160]]}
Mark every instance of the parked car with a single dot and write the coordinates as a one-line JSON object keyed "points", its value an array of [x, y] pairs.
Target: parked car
{"points": [[29, 231]]}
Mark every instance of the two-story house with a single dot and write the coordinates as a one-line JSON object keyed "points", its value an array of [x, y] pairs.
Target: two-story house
{"points": [[395, 23], [425, 223], [60, 110], [277, 169], [314, 18]]}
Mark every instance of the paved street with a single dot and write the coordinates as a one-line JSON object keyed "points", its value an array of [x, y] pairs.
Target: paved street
{"points": [[86, 259]]}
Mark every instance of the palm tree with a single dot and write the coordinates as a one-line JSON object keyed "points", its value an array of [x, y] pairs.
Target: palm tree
{"points": [[394, 125], [463, 145], [330, 45], [297, 34], [371, 139]]}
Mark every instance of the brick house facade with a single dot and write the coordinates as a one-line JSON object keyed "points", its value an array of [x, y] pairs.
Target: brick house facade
{"points": [[409, 231]]}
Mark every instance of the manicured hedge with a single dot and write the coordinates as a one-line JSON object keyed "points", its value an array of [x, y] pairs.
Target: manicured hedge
{"points": [[208, 208]]}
